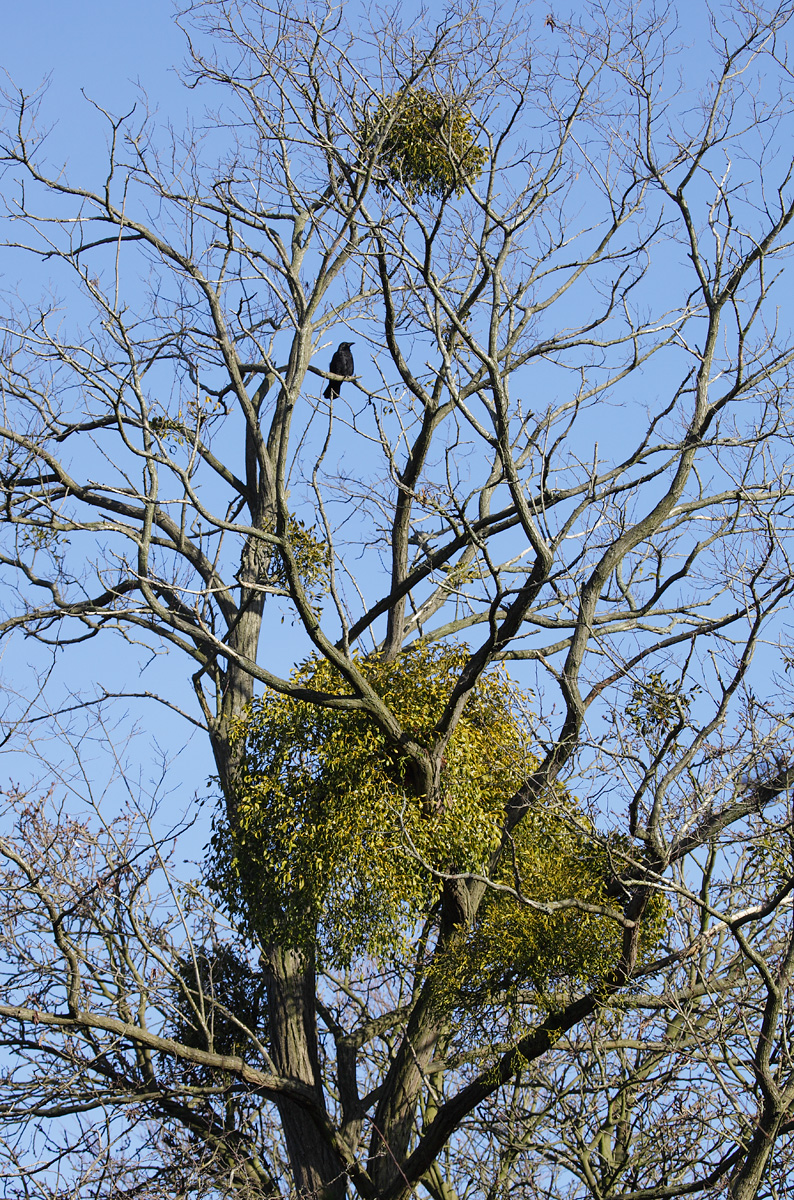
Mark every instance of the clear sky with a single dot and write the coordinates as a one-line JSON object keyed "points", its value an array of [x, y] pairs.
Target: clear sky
{"points": [[105, 48]]}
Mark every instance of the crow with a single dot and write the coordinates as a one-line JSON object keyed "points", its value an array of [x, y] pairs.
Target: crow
{"points": [[341, 364]]}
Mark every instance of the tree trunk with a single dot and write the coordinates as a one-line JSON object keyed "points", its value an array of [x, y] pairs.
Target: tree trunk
{"points": [[293, 1033]]}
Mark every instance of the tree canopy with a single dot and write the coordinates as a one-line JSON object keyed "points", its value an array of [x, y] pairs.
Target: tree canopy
{"points": [[489, 648]]}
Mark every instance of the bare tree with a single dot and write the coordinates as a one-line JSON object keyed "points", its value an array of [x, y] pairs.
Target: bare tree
{"points": [[565, 449]]}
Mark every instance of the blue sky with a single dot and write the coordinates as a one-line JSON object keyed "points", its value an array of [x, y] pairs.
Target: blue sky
{"points": [[105, 48]]}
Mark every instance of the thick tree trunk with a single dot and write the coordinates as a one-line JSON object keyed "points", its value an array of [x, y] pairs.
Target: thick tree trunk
{"points": [[396, 1114], [238, 684], [293, 1034]]}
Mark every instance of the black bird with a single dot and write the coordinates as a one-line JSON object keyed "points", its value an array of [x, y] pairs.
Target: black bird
{"points": [[341, 364]]}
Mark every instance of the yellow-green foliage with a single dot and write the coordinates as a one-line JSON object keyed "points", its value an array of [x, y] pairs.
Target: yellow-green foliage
{"points": [[428, 145], [555, 856], [332, 845], [311, 558], [656, 708], [326, 815]]}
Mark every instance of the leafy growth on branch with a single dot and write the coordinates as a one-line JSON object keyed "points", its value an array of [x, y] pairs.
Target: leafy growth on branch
{"points": [[330, 836], [427, 144], [658, 710], [218, 1001], [514, 947], [311, 555], [333, 847]]}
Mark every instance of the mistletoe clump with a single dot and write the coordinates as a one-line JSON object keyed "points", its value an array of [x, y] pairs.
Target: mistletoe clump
{"points": [[331, 843], [426, 142], [516, 951], [334, 850], [218, 1001]]}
